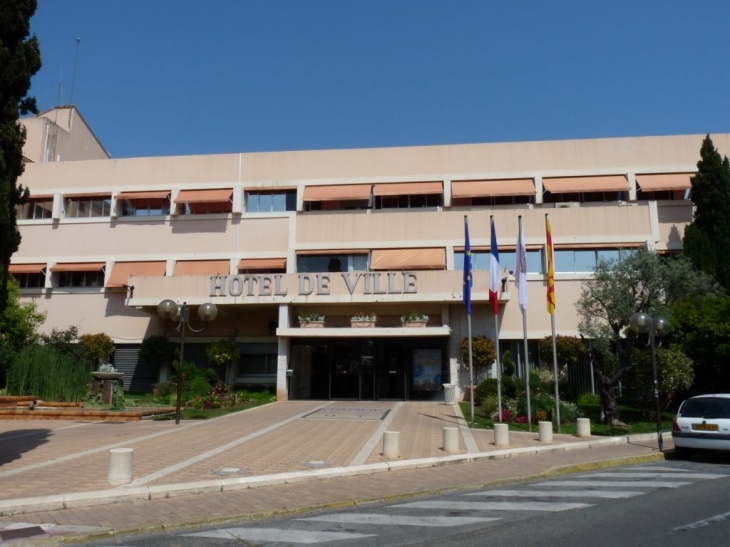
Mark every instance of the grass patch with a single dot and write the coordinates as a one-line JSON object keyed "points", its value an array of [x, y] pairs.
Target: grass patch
{"points": [[630, 415]]}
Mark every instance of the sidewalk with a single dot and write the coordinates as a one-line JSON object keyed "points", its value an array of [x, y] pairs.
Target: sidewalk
{"points": [[280, 457]]}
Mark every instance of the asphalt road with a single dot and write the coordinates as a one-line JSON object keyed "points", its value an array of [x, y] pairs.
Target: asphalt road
{"points": [[673, 503]]}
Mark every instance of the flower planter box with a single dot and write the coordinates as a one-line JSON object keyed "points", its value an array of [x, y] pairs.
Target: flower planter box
{"points": [[311, 324], [413, 324], [361, 324]]}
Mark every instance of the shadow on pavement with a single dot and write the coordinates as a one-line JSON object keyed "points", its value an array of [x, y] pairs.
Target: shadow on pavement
{"points": [[15, 443]]}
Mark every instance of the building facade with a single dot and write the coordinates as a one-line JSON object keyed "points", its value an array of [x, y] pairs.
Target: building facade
{"points": [[272, 237]]}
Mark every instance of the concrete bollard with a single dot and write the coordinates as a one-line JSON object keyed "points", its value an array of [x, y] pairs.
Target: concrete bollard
{"points": [[391, 444], [584, 427], [120, 466], [545, 430], [451, 439], [501, 435]]}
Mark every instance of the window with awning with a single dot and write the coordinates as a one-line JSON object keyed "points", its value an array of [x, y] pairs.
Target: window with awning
{"points": [[492, 188], [89, 205], [144, 204], [26, 268], [585, 189], [408, 195], [202, 267], [28, 276], [123, 270], [262, 265], [664, 186], [79, 274], [408, 259], [197, 202]]}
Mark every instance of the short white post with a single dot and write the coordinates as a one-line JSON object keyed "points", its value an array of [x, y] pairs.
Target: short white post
{"points": [[584, 427], [391, 444], [451, 439], [545, 430], [120, 466], [501, 435]]}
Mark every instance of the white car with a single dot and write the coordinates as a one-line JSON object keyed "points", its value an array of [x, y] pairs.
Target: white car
{"points": [[702, 422]]}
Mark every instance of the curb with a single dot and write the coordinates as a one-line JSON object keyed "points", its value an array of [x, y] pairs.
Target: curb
{"points": [[56, 502]]}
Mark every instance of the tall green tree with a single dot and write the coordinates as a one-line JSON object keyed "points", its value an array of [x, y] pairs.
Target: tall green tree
{"points": [[19, 323], [707, 237], [641, 281], [20, 59]]}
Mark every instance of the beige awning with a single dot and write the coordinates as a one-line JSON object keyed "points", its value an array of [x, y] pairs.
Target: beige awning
{"points": [[408, 188], [566, 185], [337, 192], [202, 267], [408, 259], [157, 194], [26, 268], [262, 264], [78, 267], [204, 196], [122, 271], [489, 188], [48, 197], [323, 252], [669, 181]]}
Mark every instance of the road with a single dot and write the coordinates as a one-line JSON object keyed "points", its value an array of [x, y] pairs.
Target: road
{"points": [[670, 504]]}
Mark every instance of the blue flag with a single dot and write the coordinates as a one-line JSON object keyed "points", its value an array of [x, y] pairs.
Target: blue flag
{"points": [[467, 268]]}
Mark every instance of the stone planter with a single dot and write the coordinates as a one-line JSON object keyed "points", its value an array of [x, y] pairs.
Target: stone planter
{"points": [[107, 381], [311, 324], [361, 324], [413, 324]]}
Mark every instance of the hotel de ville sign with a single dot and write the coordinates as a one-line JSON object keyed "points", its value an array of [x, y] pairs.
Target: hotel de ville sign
{"points": [[366, 283]]}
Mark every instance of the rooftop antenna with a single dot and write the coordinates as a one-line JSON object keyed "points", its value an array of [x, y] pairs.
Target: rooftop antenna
{"points": [[73, 81]]}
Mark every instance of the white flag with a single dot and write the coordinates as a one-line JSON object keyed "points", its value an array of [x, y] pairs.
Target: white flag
{"points": [[521, 268]]}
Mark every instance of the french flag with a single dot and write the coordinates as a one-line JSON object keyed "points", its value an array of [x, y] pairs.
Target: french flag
{"points": [[494, 272]]}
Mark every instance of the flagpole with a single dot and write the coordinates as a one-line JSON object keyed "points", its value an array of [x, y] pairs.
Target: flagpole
{"points": [[555, 373], [499, 369], [494, 289], [551, 311], [520, 244], [467, 302], [471, 370]]}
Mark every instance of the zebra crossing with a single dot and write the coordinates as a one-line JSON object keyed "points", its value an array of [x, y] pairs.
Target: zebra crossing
{"points": [[473, 509]]}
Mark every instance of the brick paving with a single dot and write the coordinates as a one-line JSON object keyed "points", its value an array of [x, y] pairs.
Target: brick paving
{"points": [[41, 458]]}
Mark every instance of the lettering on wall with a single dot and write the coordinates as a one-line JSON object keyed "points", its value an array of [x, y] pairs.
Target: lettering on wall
{"points": [[318, 284]]}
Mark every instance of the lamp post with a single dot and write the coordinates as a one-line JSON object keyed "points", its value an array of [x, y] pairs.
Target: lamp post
{"points": [[169, 309], [659, 326]]}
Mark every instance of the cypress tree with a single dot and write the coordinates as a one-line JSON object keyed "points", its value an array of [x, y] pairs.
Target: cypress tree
{"points": [[707, 238]]}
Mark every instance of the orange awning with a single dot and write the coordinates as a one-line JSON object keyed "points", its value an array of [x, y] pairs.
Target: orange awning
{"points": [[566, 185], [26, 268], [48, 197], [202, 267], [408, 259], [88, 195], [204, 196], [262, 264], [669, 181], [157, 194], [78, 267], [337, 192], [122, 271], [408, 188], [489, 188]]}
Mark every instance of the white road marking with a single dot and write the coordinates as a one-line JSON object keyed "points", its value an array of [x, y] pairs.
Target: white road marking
{"points": [[277, 535], [701, 523], [660, 475], [617, 484], [362, 457], [398, 520], [494, 505], [606, 494]]}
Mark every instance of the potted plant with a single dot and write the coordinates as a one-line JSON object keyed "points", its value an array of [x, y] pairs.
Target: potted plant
{"points": [[363, 319], [311, 320], [413, 319]]}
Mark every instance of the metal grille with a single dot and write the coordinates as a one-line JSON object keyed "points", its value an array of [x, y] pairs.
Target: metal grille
{"points": [[138, 375]]}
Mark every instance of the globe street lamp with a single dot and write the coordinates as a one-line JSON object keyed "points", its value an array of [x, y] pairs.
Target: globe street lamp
{"points": [[641, 322], [168, 309]]}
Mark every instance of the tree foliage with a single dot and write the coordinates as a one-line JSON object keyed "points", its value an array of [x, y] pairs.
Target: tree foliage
{"points": [[18, 327], [707, 237], [99, 347], [569, 350], [19, 60], [641, 281], [483, 350]]}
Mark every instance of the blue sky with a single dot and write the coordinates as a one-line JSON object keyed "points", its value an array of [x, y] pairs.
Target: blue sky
{"points": [[190, 77]]}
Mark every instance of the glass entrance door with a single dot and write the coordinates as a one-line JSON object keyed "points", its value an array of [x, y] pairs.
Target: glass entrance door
{"points": [[391, 378]]}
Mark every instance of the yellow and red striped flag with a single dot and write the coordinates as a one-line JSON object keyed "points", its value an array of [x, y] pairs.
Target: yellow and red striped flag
{"points": [[551, 269]]}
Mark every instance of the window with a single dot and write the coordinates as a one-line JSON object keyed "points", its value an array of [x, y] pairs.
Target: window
{"points": [[205, 202], [30, 280], [332, 263], [584, 197], [36, 208], [146, 207], [585, 260], [206, 208], [271, 202], [414, 201], [87, 206], [481, 260], [81, 279], [337, 197], [491, 201], [258, 360]]}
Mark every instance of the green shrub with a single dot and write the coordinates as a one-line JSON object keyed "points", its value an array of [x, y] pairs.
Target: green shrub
{"points": [[489, 407], [508, 367], [198, 387], [588, 399], [484, 389]]}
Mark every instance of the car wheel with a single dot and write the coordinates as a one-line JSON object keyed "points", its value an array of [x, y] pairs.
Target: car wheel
{"points": [[682, 452]]}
